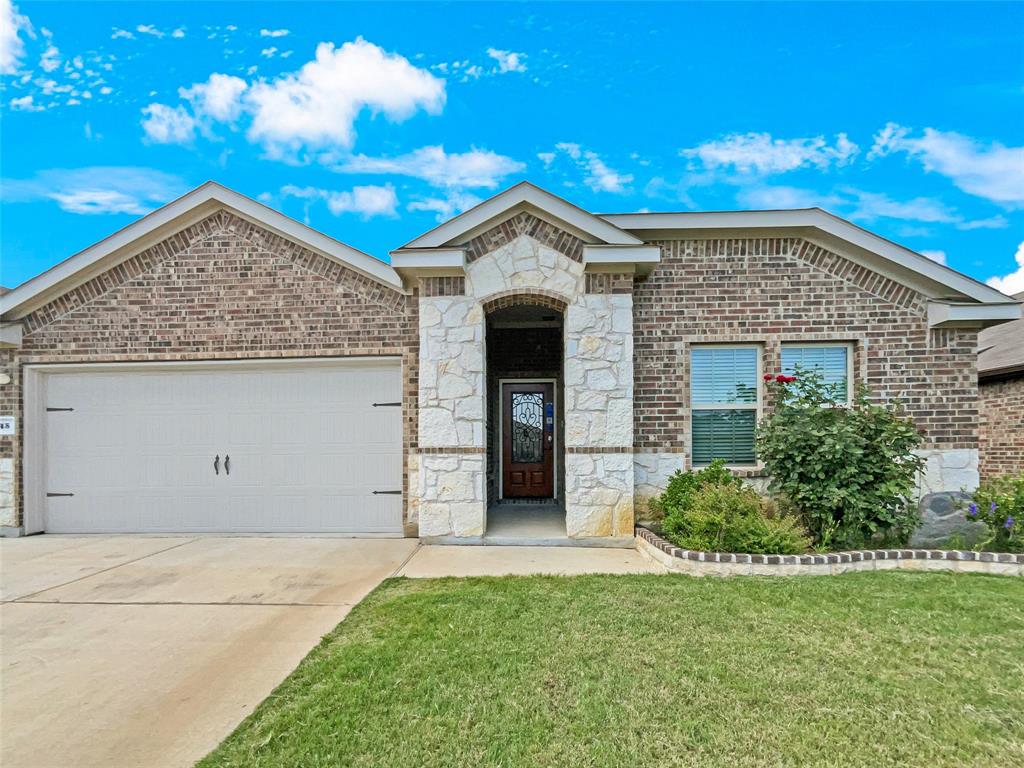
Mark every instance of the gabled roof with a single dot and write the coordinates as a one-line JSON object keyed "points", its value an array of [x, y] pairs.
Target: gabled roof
{"points": [[1001, 349], [164, 222], [902, 264], [525, 196]]}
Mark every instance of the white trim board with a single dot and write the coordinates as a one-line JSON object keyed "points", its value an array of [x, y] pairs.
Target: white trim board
{"points": [[523, 193], [173, 217]]}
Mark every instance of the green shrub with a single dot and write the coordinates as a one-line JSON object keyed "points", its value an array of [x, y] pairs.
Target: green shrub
{"points": [[999, 504], [711, 510], [683, 485], [850, 470]]}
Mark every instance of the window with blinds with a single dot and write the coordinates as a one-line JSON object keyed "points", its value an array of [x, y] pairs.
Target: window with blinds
{"points": [[832, 361], [724, 403]]}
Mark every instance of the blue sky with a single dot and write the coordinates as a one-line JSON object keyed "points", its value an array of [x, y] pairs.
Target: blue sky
{"points": [[373, 122]]}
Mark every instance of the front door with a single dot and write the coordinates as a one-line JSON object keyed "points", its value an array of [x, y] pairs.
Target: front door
{"points": [[528, 441]]}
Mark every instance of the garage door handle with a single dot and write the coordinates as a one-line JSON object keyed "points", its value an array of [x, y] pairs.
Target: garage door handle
{"points": [[227, 464], [387, 493], [216, 464]]}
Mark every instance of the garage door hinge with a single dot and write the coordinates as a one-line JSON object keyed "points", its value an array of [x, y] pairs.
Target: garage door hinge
{"points": [[387, 493], [386, 405], [50, 410], [50, 495]]}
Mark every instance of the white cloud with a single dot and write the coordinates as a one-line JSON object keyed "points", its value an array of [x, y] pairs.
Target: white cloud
{"points": [[219, 98], [992, 171], [508, 61], [365, 201], [597, 175], [473, 169], [274, 32], [168, 125], [760, 153], [861, 205], [269, 52], [12, 47], [1012, 283], [50, 60], [25, 104], [765, 197], [96, 190], [121, 34], [178, 33], [937, 256], [446, 207], [149, 29], [317, 106]]}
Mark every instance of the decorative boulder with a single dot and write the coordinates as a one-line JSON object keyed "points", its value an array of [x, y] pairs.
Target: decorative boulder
{"points": [[943, 517]]}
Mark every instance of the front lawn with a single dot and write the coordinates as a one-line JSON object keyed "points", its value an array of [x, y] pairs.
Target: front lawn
{"points": [[865, 669]]}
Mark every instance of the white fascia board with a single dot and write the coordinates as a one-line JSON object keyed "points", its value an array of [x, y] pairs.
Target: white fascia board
{"points": [[823, 221], [523, 193], [944, 314], [10, 335], [428, 258], [204, 199], [628, 258], [619, 254]]}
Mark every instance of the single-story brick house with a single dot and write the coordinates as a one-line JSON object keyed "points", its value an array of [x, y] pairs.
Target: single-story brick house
{"points": [[217, 366], [1001, 398]]}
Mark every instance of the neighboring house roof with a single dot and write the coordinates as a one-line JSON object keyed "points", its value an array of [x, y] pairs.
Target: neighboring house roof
{"points": [[1001, 349], [165, 221]]}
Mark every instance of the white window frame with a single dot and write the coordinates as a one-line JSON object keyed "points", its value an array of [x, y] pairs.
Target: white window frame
{"points": [[849, 345], [755, 406]]}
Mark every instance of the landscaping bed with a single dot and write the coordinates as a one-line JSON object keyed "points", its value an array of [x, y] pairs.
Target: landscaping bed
{"points": [[910, 669]]}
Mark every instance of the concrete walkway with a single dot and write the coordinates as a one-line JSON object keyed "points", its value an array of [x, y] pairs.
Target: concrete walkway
{"points": [[435, 561], [148, 650]]}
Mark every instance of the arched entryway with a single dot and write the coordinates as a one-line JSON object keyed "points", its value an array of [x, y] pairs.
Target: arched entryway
{"points": [[525, 422]]}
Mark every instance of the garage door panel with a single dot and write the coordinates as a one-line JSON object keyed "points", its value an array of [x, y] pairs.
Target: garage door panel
{"points": [[307, 449]]}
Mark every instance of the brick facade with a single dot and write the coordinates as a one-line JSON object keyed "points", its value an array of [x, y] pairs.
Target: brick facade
{"points": [[1001, 426], [768, 291], [221, 289], [225, 289]]}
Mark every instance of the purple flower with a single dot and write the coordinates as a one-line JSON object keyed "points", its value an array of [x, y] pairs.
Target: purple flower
{"points": [[972, 509], [993, 507], [1008, 524]]}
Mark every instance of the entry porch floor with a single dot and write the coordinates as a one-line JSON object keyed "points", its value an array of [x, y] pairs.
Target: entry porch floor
{"points": [[541, 523]]}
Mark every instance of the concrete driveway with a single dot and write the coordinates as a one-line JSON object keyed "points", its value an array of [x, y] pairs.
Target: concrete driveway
{"points": [[148, 650]]}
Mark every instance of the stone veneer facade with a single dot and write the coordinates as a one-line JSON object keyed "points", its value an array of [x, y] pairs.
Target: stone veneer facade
{"points": [[1001, 425], [227, 289], [525, 261]]}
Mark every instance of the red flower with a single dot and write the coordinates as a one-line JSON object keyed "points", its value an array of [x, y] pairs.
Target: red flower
{"points": [[768, 377], [781, 379]]}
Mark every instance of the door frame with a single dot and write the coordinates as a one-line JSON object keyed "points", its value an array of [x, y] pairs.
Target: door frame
{"points": [[500, 437], [33, 415]]}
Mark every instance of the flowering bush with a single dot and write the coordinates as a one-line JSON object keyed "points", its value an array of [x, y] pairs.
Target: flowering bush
{"points": [[999, 504], [850, 469]]}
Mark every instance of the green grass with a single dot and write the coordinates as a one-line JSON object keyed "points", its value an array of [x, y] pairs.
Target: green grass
{"points": [[871, 669]]}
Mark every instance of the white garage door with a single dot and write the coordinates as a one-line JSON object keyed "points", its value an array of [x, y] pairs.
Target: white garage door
{"points": [[297, 447]]}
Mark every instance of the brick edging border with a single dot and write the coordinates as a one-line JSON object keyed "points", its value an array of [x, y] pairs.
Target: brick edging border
{"points": [[729, 563]]}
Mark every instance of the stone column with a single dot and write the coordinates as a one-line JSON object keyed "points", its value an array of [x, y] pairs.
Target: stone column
{"points": [[449, 489], [599, 416]]}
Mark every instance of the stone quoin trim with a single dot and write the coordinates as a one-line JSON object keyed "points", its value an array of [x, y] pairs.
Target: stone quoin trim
{"points": [[699, 563]]}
